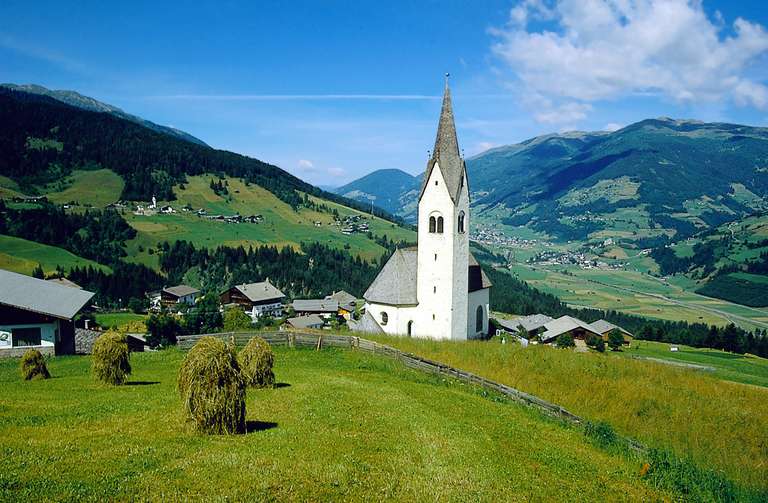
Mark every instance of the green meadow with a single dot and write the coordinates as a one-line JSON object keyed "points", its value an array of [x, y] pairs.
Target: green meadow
{"points": [[718, 424], [23, 256], [97, 188], [340, 425]]}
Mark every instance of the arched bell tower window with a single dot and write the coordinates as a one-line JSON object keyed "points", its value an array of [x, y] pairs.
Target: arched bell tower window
{"points": [[479, 321], [439, 225], [461, 222], [384, 318], [432, 225]]}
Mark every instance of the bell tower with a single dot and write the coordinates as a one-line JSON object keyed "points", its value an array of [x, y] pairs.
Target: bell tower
{"points": [[443, 234]]}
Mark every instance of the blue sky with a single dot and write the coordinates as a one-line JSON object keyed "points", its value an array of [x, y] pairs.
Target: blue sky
{"points": [[333, 90]]}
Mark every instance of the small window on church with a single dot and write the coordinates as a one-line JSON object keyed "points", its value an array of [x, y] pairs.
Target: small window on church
{"points": [[439, 225], [384, 318], [434, 289], [479, 320], [432, 225], [461, 223], [433, 317], [435, 257], [461, 182], [435, 182]]}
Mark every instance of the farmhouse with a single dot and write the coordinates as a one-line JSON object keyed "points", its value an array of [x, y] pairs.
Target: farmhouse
{"points": [[605, 327], [308, 321], [322, 307], [181, 294], [347, 302], [256, 299], [35, 313], [533, 325], [578, 329], [436, 289]]}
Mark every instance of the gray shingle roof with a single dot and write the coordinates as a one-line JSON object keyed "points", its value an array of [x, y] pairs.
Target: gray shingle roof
{"points": [[396, 282], [446, 153], [315, 305], [529, 323], [181, 290], [562, 325], [602, 327], [257, 292], [309, 321], [40, 296], [366, 324], [346, 299]]}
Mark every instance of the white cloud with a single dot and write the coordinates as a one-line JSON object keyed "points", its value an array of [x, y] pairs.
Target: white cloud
{"points": [[306, 165], [605, 49], [612, 126], [336, 171]]}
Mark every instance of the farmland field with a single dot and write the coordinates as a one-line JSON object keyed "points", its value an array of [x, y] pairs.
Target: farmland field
{"points": [[718, 424], [23, 256], [342, 425], [97, 188]]}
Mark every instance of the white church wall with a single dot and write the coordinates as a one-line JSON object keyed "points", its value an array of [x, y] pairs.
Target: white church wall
{"points": [[478, 298]]}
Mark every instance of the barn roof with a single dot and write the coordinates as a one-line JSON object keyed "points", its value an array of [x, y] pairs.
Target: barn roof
{"points": [[257, 292], [40, 296], [529, 323], [316, 305], [602, 327], [564, 324], [181, 290], [308, 321]]}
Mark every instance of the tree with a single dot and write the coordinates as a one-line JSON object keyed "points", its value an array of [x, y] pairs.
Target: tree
{"points": [[615, 339], [38, 272], [137, 305], [204, 317], [235, 319], [596, 342], [163, 329], [565, 341]]}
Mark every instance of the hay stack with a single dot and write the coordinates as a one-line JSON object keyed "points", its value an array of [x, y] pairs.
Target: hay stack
{"points": [[110, 361], [256, 360], [33, 366], [212, 387]]}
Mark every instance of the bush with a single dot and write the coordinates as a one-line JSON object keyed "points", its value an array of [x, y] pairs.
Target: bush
{"points": [[163, 329], [110, 360], [33, 366], [601, 432], [596, 342], [256, 360], [565, 341], [235, 319], [615, 339], [212, 388]]}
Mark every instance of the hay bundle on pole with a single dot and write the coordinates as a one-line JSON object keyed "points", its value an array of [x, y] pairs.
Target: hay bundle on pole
{"points": [[110, 359], [256, 360], [212, 388], [33, 366]]}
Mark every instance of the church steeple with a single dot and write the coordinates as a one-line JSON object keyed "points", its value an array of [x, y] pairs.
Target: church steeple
{"points": [[446, 153]]}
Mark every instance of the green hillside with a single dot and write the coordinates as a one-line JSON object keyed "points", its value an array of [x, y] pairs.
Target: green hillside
{"points": [[96, 188], [23, 256], [341, 426]]}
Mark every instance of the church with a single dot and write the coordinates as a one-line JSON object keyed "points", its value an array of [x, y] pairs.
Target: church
{"points": [[436, 289]]}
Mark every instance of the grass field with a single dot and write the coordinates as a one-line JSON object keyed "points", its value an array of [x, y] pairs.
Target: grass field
{"points": [[22, 256], [108, 320], [745, 369], [97, 188], [719, 424], [341, 426], [282, 225]]}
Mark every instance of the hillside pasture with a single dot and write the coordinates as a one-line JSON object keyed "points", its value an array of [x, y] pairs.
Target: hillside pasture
{"points": [[23, 256], [96, 188], [340, 425], [718, 424]]}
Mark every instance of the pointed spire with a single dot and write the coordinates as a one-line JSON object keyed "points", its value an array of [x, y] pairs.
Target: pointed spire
{"points": [[446, 153]]}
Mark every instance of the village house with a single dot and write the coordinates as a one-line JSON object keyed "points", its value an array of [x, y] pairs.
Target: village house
{"points": [[605, 327], [532, 325], [38, 314], [578, 329], [436, 289], [326, 308], [347, 303], [256, 299], [303, 322], [180, 294]]}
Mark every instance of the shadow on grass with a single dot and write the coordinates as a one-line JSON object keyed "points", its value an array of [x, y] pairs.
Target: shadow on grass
{"points": [[282, 385], [255, 426], [141, 383]]}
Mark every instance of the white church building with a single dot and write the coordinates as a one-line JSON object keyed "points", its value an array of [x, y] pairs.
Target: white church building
{"points": [[436, 289]]}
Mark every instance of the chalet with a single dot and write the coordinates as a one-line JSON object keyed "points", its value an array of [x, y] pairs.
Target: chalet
{"points": [[578, 329], [605, 327], [323, 307], [304, 322], [256, 299], [347, 302], [39, 314], [181, 294], [533, 325]]}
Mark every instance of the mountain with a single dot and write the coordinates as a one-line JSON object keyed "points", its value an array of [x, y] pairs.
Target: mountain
{"points": [[392, 190], [655, 180], [87, 103], [43, 140]]}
